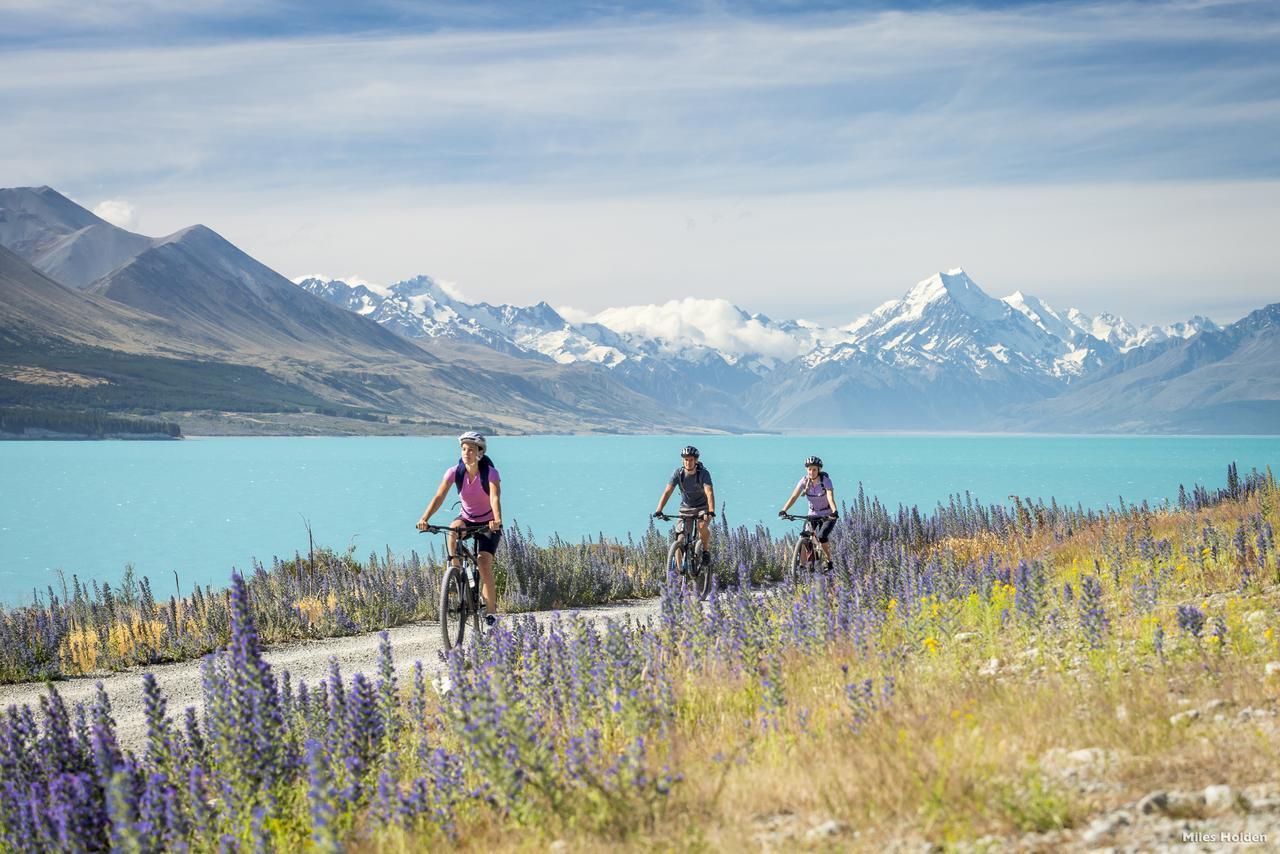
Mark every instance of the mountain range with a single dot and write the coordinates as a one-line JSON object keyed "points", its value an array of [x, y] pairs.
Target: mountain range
{"points": [[179, 323]]}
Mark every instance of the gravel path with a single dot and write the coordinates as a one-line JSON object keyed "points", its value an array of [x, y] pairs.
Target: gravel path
{"points": [[306, 661]]}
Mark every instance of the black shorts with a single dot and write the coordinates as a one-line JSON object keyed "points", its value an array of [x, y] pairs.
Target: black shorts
{"points": [[822, 528], [486, 541]]}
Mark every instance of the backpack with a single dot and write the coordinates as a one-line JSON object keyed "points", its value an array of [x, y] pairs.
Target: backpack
{"points": [[461, 472]]}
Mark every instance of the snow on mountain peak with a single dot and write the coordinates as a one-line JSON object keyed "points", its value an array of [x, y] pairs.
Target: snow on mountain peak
{"points": [[349, 281], [954, 285]]}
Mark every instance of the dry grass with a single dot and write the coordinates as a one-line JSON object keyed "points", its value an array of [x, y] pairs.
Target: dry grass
{"points": [[963, 748]]}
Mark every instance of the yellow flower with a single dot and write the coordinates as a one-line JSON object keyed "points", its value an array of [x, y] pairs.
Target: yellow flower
{"points": [[931, 644]]}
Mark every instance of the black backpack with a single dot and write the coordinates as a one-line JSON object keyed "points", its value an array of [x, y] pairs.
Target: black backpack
{"points": [[461, 472]]}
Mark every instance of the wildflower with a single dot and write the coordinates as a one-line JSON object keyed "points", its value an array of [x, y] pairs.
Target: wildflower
{"points": [[1191, 620], [1093, 617]]}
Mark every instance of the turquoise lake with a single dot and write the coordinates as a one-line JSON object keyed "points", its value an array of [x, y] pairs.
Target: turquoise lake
{"points": [[203, 506]]}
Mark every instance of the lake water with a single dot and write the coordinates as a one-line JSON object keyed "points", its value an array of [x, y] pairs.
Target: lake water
{"points": [[204, 506]]}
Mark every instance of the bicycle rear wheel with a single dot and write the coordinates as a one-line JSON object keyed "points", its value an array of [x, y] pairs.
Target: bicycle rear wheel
{"points": [[454, 604]]}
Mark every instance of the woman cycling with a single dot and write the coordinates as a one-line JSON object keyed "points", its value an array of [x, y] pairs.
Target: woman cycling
{"points": [[816, 486], [477, 482]]}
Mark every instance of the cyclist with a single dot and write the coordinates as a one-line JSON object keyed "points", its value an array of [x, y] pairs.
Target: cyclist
{"points": [[816, 486], [478, 485], [696, 494]]}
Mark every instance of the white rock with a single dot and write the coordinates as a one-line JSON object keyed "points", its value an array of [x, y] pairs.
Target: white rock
{"points": [[990, 668], [1273, 668], [1214, 705], [1219, 798], [826, 830], [1184, 717], [965, 637]]}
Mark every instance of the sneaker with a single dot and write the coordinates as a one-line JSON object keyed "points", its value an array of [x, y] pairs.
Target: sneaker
{"points": [[706, 558], [828, 566], [491, 620]]}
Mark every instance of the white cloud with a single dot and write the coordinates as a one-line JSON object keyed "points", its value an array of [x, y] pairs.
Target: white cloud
{"points": [[1099, 155], [118, 212], [452, 289], [710, 322], [574, 315]]}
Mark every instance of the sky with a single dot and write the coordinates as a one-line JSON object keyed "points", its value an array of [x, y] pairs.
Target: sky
{"points": [[800, 159]]}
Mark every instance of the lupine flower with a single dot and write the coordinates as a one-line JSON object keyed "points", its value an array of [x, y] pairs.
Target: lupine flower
{"points": [[1191, 620]]}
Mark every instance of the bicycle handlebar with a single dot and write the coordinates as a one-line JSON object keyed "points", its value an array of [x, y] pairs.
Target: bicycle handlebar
{"points": [[791, 517], [668, 518], [449, 529]]}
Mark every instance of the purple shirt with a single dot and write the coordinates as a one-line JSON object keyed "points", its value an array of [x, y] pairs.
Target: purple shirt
{"points": [[476, 506], [817, 494]]}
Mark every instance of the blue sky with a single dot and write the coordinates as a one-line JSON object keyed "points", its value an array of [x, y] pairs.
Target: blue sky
{"points": [[1117, 156]]}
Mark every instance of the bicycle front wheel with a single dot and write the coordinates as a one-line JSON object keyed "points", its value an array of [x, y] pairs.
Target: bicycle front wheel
{"points": [[801, 560], [675, 555], [699, 572], [453, 607]]}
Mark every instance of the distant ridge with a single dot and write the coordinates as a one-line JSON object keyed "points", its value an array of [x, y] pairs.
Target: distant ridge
{"points": [[944, 356]]}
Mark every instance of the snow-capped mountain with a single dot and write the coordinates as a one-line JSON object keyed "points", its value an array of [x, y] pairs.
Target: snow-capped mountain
{"points": [[1125, 336], [945, 347], [947, 320], [422, 308]]}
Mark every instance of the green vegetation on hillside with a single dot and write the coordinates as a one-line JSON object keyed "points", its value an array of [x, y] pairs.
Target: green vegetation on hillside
{"points": [[18, 420], [142, 385]]}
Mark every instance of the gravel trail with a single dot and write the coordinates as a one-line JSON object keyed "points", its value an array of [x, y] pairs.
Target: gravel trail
{"points": [[305, 660]]}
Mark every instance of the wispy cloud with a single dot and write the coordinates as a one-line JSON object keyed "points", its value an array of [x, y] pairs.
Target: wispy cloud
{"points": [[953, 97], [485, 143]]}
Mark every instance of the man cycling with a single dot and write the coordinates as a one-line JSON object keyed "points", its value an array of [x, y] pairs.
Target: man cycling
{"points": [[478, 486], [816, 486], [697, 497]]}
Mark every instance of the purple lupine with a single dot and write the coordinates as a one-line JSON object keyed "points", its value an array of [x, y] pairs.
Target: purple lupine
{"points": [[388, 695], [1191, 620], [1093, 615], [321, 799]]}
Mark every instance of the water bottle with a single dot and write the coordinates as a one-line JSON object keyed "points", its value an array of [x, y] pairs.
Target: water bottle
{"points": [[471, 576]]}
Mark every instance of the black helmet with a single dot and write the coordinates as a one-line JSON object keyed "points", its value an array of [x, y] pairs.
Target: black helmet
{"points": [[813, 461], [689, 451]]}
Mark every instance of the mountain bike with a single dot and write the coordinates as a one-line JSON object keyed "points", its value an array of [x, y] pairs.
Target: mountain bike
{"points": [[685, 554], [804, 557], [460, 598]]}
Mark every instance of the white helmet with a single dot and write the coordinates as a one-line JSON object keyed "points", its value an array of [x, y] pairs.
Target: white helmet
{"points": [[474, 438]]}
